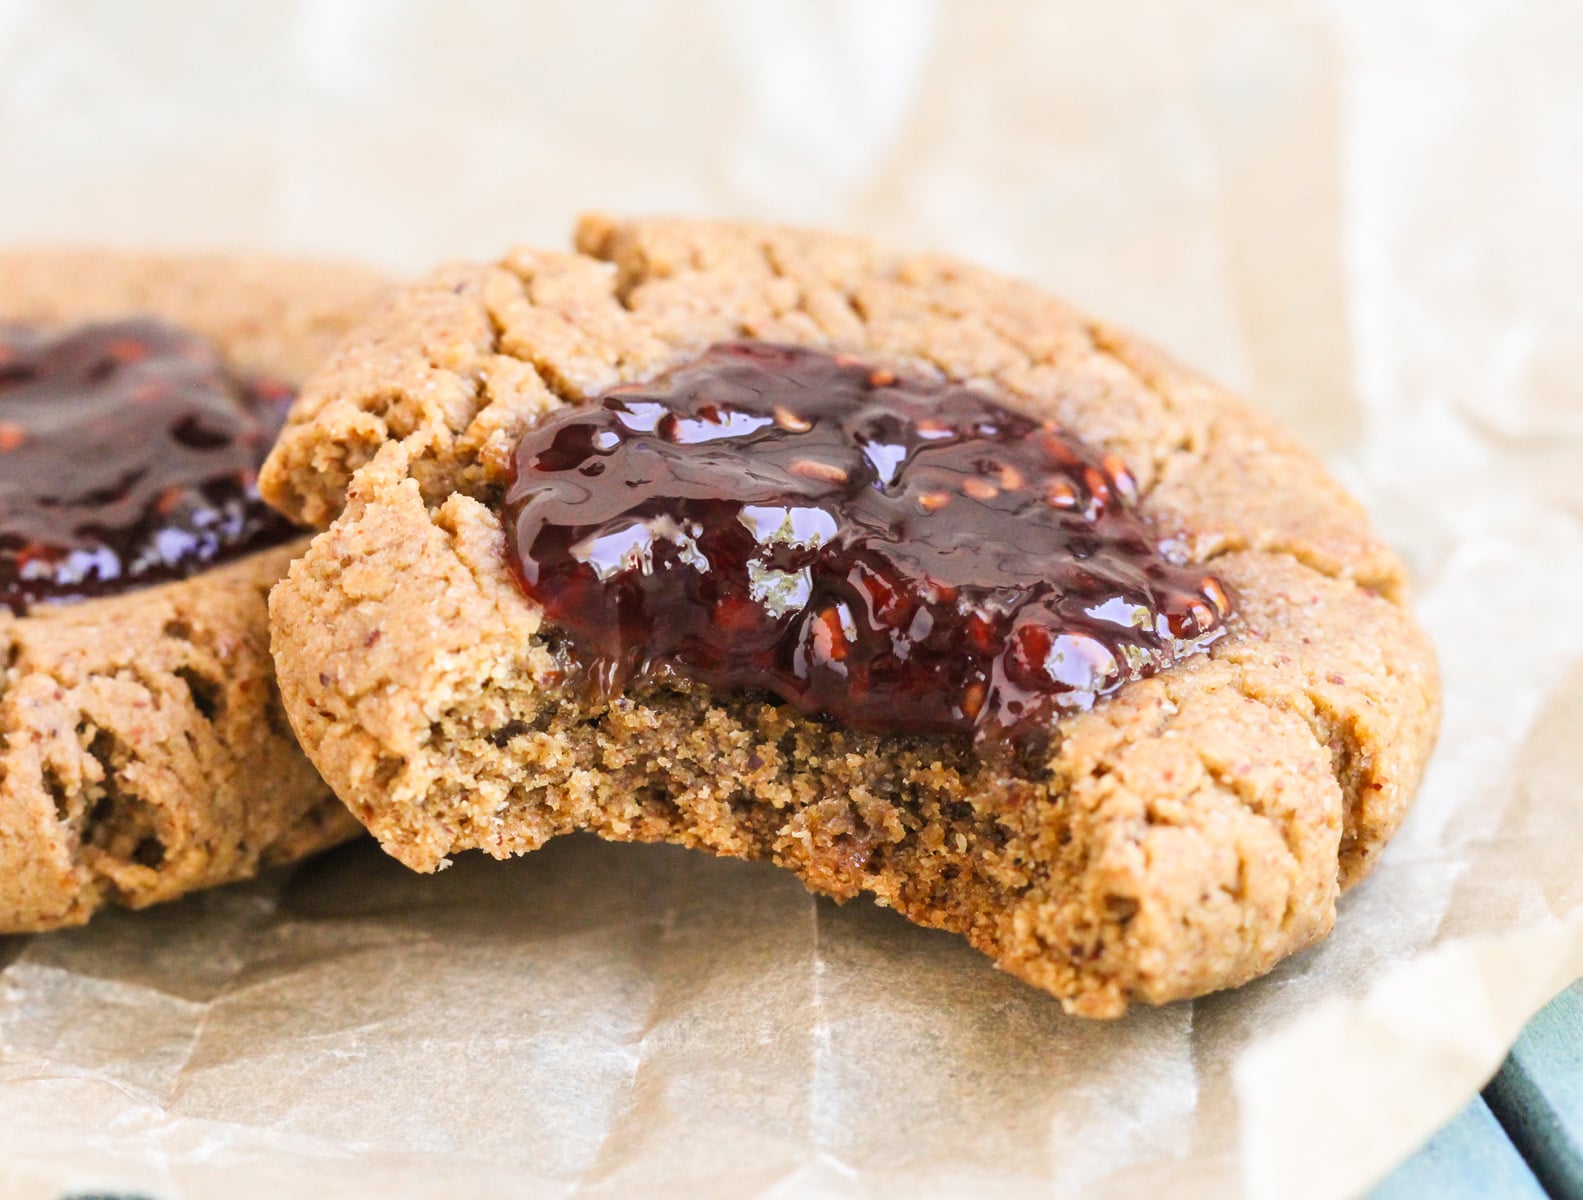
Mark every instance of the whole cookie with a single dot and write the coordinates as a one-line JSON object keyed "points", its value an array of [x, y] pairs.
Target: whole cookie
{"points": [[143, 749], [1199, 791]]}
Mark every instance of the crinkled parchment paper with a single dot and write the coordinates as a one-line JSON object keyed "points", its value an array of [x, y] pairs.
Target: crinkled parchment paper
{"points": [[1363, 215]]}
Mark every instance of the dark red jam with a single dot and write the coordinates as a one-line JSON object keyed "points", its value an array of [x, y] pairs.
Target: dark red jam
{"points": [[898, 554], [128, 455]]}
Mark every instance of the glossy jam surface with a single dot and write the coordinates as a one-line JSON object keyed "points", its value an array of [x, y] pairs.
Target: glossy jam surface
{"points": [[128, 455], [897, 554]]}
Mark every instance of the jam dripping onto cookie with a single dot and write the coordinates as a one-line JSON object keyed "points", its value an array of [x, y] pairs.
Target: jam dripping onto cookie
{"points": [[898, 554], [128, 456]]}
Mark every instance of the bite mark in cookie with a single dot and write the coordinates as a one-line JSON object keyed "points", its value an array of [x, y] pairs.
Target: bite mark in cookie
{"points": [[1182, 834]]}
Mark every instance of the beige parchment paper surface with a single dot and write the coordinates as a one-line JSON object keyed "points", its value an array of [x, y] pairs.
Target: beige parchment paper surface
{"points": [[1363, 215]]}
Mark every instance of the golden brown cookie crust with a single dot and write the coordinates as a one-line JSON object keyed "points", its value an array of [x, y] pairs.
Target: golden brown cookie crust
{"points": [[1183, 836], [143, 750]]}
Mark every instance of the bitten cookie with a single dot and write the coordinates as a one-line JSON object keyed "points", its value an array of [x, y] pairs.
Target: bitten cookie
{"points": [[143, 750], [896, 572]]}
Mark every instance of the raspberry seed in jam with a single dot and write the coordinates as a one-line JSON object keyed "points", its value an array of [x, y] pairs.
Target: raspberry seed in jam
{"points": [[899, 554], [128, 456]]}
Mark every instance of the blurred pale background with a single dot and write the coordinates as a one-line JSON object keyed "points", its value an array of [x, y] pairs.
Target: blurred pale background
{"points": [[1186, 152]]}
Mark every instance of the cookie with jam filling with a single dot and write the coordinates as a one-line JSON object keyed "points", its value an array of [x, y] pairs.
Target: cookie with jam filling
{"points": [[896, 572], [144, 752]]}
